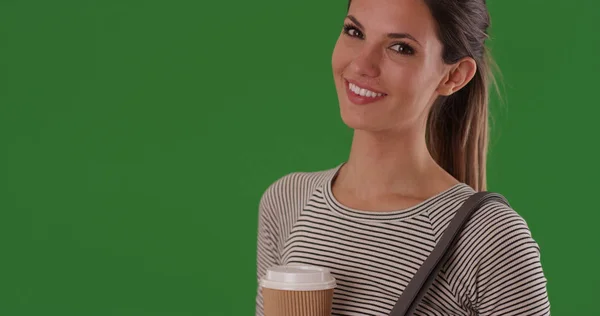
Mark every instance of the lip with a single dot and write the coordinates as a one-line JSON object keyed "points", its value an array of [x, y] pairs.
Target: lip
{"points": [[358, 99]]}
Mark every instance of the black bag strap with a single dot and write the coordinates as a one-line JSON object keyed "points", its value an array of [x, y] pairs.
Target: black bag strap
{"points": [[422, 280]]}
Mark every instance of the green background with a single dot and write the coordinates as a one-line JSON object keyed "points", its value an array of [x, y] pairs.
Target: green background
{"points": [[138, 136]]}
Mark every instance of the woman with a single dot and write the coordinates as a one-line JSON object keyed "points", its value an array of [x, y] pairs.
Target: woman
{"points": [[412, 81]]}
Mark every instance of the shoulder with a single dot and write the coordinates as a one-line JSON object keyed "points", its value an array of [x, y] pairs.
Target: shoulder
{"points": [[495, 218], [508, 264], [492, 227], [293, 189], [494, 250], [497, 233]]}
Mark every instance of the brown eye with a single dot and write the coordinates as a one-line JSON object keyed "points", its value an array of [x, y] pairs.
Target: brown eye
{"points": [[352, 31], [403, 48]]}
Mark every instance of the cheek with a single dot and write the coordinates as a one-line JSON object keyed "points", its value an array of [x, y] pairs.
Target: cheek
{"points": [[411, 90], [407, 82], [415, 83]]}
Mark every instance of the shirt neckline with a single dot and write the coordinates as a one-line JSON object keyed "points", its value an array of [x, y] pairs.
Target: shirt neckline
{"points": [[401, 214]]}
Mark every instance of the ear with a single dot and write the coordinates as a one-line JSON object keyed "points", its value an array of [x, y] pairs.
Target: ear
{"points": [[457, 76]]}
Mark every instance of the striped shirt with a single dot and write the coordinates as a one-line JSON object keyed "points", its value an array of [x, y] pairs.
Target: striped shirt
{"points": [[494, 268]]}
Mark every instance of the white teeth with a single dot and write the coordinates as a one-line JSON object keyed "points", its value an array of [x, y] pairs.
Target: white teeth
{"points": [[364, 92]]}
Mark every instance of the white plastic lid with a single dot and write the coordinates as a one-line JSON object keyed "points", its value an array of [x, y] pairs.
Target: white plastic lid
{"points": [[296, 277]]}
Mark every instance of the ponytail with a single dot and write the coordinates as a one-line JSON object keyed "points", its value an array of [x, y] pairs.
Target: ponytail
{"points": [[458, 131]]}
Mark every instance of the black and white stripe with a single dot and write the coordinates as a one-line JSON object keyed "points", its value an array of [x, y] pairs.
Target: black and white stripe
{"points": [[494, 268]]}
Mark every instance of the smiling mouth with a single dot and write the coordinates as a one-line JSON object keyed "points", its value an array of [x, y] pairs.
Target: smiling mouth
{"points": [[362, 91], [361, 96]]}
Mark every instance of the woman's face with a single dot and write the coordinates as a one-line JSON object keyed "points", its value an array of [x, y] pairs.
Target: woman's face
{"points": [[391, 47]]}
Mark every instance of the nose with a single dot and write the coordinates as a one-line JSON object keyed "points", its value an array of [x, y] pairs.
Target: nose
{"points": [[367, 62]]}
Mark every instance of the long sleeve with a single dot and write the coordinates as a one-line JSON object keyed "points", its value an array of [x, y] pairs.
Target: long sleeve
{"points": [[510, 279], [267, 254]]}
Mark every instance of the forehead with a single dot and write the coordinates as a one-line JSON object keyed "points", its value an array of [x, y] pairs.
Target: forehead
{"points": [[395, 16]]}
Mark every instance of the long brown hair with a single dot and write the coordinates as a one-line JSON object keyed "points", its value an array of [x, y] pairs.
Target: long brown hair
{"points": [[457, 126]]}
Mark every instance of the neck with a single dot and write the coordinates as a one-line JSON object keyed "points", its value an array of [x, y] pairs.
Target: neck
{"points": [[383, 164]]}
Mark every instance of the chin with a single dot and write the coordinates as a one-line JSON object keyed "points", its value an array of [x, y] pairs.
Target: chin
{"points": [[369, 117], [360, 121]]}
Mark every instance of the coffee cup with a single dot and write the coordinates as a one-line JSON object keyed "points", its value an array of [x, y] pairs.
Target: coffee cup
{"points": [[297, 290]]}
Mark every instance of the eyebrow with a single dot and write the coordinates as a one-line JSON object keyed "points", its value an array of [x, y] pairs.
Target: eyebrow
{"points": [[390, 35]]}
